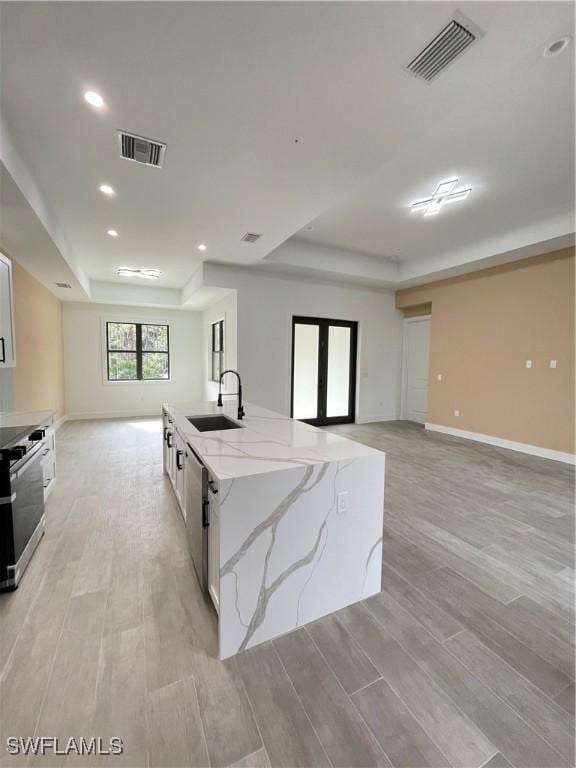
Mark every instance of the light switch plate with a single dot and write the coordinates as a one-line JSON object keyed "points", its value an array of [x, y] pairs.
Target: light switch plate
{"points": [[552, 363], [528, 363], [439, 377], [342, 503]]}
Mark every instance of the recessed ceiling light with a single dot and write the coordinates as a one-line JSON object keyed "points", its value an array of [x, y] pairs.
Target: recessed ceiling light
{"points": [[94, 99], [557, 46], [112, 233], [146, 273], [201, 247], [106, 189], [444, 193]]}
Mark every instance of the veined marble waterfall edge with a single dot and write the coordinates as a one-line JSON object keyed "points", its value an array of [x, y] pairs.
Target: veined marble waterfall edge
{"points": [[288, 557]]}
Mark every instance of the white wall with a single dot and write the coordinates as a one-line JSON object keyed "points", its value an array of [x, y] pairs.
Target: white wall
{"points": [[265, 308], [88, 393], [222, 310]]}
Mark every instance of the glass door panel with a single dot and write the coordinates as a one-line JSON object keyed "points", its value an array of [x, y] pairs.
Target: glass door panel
{"points": [[305, 371], [323, 370], [338, 389]]}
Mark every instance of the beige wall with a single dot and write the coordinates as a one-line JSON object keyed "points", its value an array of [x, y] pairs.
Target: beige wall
{"points": [[484, 328], [39, 372]]}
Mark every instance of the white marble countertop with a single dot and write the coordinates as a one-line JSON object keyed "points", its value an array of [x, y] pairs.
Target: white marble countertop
{"points": [[24, 418], [267, 441]]}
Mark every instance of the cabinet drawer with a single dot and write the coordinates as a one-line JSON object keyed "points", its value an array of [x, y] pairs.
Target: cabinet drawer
{"points": [[48, 460]]}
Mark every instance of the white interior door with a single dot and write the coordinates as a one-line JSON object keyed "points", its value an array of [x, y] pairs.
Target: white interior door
{"points": [[416, 357]]}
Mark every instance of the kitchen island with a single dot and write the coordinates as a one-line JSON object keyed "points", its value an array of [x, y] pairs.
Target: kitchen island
{"points": [[292, 516]]}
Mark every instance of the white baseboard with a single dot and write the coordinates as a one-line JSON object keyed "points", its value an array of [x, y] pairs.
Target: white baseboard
{"points": [[372, 419], [499, 442], [85, 416], [59, 422]]}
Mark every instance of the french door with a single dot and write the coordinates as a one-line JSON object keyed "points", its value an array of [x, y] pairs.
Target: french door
{"points": [[323, 370]]}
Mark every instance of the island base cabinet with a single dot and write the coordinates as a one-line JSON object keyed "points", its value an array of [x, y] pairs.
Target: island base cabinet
{"points": [[168, 444], [282, 533], [178, 476], [174, 461]]}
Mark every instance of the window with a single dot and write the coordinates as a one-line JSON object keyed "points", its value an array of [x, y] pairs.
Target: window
{"points": [[137, 352], [217, 349]]}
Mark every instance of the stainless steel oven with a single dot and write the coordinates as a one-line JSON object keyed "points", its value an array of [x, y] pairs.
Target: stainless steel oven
{"points": [[21, 511]]}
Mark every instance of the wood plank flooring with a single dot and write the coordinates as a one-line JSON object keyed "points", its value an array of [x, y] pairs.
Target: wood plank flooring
{"points": [[466, 659]]}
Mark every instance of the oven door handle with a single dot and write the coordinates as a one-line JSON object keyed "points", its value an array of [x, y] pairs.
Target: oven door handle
{"points": [[33, 457]]}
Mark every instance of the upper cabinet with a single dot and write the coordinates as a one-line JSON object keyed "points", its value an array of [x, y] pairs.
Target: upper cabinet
{"points": [[7, 334]]}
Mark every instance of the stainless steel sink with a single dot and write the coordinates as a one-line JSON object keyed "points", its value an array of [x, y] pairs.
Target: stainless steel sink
{"points": [[212, 423]]}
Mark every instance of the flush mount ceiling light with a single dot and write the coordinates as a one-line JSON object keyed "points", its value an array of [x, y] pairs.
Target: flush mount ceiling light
{"points": [[445, 193], [201, 247], [556, 47], [112, 233], [94, 99], [106, 189], [145, 273]]}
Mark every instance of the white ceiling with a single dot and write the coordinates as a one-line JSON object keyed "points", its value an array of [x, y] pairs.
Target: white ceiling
{"points": [[230, 86], [508, 132], [22, 234]]}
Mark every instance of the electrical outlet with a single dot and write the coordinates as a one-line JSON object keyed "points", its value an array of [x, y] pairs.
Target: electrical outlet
{"points": [[342, 503], [439, 376], [552, 363], [528, 363], [456, 412]]}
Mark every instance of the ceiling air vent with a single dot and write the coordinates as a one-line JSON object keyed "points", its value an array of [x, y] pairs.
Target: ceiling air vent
{"points": [[250, 237], [457, 36], [141, 150], [63, 285]]}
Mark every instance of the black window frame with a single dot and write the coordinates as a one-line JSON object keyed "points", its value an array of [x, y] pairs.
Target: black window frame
{"points": [[139, 351], [217, 324]]}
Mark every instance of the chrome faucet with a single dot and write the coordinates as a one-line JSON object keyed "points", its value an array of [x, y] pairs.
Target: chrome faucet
{"points": [[239, 393]]}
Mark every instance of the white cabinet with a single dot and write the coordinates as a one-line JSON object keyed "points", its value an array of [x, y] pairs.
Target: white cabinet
{"points": [[166, 449], [49, 457], [7, 337], [194, 489], [169, 451], [174, 460], [179, 472]]}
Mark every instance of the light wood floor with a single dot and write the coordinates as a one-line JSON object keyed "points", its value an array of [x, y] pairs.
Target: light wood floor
{"points": [[466, 659]]}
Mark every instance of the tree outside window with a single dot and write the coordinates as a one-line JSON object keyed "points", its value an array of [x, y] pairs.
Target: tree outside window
{"points": [[137, 352]]}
